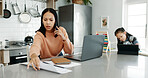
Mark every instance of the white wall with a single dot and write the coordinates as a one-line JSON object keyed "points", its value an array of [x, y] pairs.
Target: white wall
{"points": [[147, 31], [111, 8], [60, 3], [12, 29]]}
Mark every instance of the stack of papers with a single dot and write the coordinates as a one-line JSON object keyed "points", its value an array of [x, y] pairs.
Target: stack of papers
{"points": [[72, 64], [52, 68]]}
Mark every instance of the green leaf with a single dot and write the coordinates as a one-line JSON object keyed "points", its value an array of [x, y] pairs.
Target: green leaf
{"points": [[86, 2], [90, 2]]}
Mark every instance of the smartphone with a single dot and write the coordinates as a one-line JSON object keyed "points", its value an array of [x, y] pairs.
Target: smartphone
{"points": [[56, 34]]}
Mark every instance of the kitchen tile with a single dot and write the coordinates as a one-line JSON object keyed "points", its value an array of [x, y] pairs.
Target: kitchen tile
{"points": [[9, 25]]}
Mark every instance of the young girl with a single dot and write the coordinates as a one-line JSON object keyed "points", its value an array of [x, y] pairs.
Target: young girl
{"points": [[124, 37]]}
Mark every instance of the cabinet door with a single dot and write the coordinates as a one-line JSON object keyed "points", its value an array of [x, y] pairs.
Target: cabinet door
{"points": [[4, 57], [18, 52], [1, 56], [1, 8]]}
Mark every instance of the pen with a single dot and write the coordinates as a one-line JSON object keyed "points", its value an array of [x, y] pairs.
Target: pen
{"points": [[53, 65], [46, 62], [58, 66]]}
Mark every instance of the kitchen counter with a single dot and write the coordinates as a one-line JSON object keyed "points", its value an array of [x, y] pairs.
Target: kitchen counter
{"points": [[13, 48], [110, 65]]}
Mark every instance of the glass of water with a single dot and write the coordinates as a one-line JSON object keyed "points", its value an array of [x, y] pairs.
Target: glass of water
{"points": [[1, 70]]}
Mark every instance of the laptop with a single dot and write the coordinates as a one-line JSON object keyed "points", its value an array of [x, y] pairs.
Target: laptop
{"points": [[92, 48], [128, 49]]}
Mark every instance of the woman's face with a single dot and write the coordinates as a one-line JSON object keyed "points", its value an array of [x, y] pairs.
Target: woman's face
{"points": [[48, 21], [121, 36]]}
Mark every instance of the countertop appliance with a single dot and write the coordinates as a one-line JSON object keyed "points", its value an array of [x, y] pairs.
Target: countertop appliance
{"points": [[77, 20], [18, 56], [19, 53]]}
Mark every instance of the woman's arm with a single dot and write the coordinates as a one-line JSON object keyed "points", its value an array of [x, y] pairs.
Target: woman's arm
{"points": [[34, 52], [68, 46], [36, 46]]}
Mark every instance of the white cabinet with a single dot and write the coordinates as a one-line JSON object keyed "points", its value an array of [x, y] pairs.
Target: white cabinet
{"points": [[4, 57]]}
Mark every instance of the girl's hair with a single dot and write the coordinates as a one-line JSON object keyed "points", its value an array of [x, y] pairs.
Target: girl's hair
{"points": [[42, 28], [119, 30]]}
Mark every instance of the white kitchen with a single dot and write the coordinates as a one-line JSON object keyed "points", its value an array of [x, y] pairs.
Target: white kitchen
{"points": [[14, 30], [20, 19]]}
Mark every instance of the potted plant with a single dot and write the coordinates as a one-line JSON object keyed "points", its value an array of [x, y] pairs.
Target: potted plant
{"points": [[85, 2]]}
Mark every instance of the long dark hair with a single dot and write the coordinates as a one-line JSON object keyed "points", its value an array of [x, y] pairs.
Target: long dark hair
{"points": [[42, 28]]}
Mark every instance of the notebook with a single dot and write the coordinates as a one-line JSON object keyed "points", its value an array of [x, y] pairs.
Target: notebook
{"points": [[128, 49], [60, 61], [92, 48]]}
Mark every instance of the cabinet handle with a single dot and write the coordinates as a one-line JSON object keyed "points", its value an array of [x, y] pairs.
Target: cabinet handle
{"points": [[21, 57]]}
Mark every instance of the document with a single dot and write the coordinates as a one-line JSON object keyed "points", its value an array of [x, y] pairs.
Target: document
{"points": [[72, 64], [52, 68]]}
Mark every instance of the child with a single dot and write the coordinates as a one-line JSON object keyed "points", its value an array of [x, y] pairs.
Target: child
{"points": [[124, 37]]}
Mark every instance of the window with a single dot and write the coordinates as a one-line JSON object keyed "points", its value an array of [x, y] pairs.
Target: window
{"points": [[137, 22]]}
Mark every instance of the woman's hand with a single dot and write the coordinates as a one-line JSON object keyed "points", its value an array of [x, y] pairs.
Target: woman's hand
{"points": [[35, 62], [60, 33]]}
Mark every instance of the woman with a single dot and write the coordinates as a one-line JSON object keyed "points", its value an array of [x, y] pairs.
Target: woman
{"points": [[124, 37], [49, 39]]}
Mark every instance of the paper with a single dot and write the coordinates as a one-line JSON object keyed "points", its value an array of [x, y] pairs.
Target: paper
{"points": [[52, 68], [72, 64]]}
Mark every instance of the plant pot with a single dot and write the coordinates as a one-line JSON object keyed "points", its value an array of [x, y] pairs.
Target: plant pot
{"points": [[77, 1]]}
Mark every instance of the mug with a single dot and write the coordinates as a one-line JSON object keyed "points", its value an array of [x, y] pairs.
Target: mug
{"points": [[5, 43], [1, 70]]}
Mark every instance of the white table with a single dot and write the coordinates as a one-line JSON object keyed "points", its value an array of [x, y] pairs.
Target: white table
{"points": [[107, 66]]}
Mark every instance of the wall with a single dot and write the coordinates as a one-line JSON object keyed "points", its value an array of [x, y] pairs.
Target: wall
{"points": [[12, 29], [60, 3], [111, 8], [147, 31]]}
